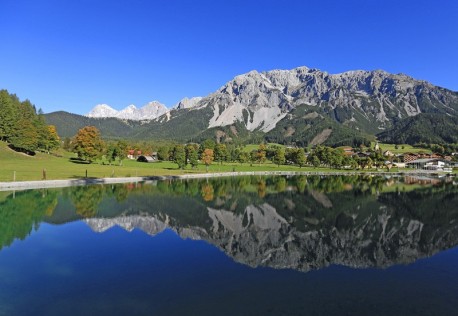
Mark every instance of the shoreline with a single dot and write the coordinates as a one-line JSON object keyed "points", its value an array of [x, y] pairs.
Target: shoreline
{"points": [[42, 184]]}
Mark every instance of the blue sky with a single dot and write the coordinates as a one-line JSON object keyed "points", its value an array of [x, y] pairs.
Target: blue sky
{"points": [[72, 55]]}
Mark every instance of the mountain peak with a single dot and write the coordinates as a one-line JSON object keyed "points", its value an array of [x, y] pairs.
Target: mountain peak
{"points": [[149, 111], [365, 100], [102, 110], [187, 103]]}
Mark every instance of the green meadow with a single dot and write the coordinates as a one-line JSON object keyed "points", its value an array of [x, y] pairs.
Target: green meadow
{"points": [[21, 167], [402, 148]]}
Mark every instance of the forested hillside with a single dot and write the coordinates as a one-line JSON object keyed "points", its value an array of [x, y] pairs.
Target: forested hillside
{"points": [[22, 127], [423, 128], [306, 125], [68, 124]]}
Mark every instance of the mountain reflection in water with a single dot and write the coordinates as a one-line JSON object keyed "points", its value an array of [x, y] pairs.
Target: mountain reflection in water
{"points": [[300, 223]]}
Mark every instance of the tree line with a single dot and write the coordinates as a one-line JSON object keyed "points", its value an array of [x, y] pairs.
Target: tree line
{"points": [[89, 146], [23, 127]]}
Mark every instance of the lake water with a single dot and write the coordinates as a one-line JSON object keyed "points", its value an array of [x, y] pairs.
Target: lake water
{"points": [[233, 246]]}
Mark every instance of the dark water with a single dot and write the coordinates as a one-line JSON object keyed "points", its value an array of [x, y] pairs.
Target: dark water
{"points": [[233, 246]]}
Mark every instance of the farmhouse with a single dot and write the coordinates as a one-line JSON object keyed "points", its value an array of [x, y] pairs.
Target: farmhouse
{"points": [[148, 158], [133, 154]]}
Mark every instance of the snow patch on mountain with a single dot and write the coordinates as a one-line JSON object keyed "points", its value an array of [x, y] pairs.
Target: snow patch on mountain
{"points": [[149, 111], [102, 110]]}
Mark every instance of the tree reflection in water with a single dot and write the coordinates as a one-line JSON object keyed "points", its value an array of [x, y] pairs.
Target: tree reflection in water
{"points": [[282, 222]]}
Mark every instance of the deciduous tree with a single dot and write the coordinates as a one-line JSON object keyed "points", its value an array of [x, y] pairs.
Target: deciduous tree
{"points": [[88, 143], [243, 157], [207, 157], [261, 154], [192, 155], [179, 156], [300, 158], [220, 153], [279, 156]]}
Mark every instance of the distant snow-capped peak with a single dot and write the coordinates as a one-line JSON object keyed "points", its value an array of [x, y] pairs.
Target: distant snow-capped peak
{"points": [[149, 111], [102, 110]]}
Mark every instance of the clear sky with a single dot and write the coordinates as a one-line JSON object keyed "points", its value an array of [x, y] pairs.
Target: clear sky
{"points": [[72, 55]]}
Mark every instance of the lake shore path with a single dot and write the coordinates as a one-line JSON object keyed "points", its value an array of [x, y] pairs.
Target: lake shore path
{"points": [[24, 185]]}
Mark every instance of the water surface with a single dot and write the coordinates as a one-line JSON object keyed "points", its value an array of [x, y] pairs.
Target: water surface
{"points": [[232, 246]]}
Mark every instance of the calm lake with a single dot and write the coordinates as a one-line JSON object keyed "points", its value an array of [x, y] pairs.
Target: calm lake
{"points": [[337, 245]]}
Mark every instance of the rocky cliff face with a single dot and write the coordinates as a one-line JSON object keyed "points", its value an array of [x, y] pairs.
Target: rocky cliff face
{"points": [[360, 98]]}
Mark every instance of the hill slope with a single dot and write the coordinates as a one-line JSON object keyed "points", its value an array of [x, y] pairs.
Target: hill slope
{"points": [[68, 124], [426, 127]]}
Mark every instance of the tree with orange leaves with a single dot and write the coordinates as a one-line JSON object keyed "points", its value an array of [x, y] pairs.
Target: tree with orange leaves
{"points": [[207, 157], [261, 154], [88, 143]]}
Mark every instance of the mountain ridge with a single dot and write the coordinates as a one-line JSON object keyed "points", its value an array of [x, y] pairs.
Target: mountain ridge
{"points": [[366, 102], [149, 111]]}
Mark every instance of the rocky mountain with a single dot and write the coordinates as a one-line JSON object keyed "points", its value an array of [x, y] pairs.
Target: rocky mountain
{"points": [[187, 103], [298, 106], [366, 100], [149, 111]]}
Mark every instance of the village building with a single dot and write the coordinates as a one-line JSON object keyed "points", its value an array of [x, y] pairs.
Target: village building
{"points": [[148, 158], [348, 151], [399, 164], [362, 154], [133, 154], [408, 157], [377, 146], [433, 164], [388, 153]]}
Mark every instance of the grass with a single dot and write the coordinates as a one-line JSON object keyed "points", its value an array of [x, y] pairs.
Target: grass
{"points": [[28, 168], [400, 149]]}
